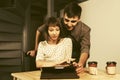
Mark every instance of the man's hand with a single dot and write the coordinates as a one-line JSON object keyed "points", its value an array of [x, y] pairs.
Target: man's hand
{"points": [[31, 53], [79, 67]]}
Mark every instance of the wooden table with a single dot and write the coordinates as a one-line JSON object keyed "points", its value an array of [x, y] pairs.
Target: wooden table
{"points": [[35, 75]]}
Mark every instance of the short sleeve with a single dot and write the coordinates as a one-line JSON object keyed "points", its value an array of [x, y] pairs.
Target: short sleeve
{"points": [[40, 54]]}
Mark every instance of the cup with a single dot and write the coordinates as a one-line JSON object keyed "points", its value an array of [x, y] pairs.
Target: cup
{"points": [[111, 67], [92, 66]]}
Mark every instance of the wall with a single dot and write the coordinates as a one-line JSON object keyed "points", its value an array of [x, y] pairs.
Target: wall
{"points": [[103, 17], [14, 22]]}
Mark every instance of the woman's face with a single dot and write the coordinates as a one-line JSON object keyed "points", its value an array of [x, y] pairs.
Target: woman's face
{"points": [[53, 32]]}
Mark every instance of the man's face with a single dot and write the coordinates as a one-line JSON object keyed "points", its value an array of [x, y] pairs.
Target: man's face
{"points": [[70, 22]]}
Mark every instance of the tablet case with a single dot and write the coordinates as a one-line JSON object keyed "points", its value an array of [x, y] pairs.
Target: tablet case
{"points": [[59, 73]]}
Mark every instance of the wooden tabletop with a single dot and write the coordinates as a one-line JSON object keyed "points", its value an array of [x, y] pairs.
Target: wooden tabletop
{"points": [[101, 75], [35, 75]]}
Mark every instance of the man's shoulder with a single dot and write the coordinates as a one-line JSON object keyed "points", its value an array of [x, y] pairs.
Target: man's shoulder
{"points": [[83, 25], [60, 19], [41, 28], [43, 25]]}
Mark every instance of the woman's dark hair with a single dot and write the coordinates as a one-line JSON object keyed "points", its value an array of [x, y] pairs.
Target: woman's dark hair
{"points": [[53, 21], [72, 10]]}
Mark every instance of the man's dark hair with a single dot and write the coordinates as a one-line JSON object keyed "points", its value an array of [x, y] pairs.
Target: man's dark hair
{"points": [[72, 10]]}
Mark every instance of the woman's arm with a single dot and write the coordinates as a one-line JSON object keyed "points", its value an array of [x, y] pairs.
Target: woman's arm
{"points": [[43, 63], [68, 50], [40, 61]]}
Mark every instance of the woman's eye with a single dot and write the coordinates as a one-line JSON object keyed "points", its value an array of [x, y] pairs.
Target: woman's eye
{"points": [[57, 29], [50, 29]]}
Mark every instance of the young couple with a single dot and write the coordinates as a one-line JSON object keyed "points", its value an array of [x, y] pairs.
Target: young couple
{"points": [[65, 40]]}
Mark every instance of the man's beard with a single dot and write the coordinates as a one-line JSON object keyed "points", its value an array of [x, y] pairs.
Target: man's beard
{"points": [[69, 27]]}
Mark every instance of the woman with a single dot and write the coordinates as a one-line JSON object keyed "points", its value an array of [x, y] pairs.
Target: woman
{"points": [[55, 49]]}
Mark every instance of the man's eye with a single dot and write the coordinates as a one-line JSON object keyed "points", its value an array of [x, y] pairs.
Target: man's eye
{"points": [[73, 21], [66, 20]]}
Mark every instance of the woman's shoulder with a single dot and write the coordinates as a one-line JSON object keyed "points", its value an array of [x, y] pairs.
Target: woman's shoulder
{"points": [[66, 39], [43, 43]]}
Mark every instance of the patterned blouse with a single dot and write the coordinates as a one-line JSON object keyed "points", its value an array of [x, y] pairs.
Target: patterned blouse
{"points": [[57, 53]]}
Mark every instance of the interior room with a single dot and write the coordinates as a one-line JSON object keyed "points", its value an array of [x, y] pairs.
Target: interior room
{"points": [[19, 20]]}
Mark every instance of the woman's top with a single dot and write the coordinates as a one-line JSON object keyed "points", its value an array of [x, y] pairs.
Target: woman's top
{"points": [[55, 52]]}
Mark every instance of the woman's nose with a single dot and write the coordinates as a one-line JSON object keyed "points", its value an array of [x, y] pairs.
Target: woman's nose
{"points": [[54, 32]]}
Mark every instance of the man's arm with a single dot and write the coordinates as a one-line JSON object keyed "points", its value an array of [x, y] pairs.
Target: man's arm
{"points": [[80, 65], [33, 52], [85, 47], [83, 59], [37, 40]]}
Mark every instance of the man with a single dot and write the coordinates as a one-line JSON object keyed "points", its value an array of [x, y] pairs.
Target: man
{"points": [[77, 31], [80, 34]]}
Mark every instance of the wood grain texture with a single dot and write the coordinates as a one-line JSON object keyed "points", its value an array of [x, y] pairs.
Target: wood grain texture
{"points": [[35, 75]]}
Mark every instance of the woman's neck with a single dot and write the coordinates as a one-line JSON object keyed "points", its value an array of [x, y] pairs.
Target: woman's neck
{"points": [[52, 41]]}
